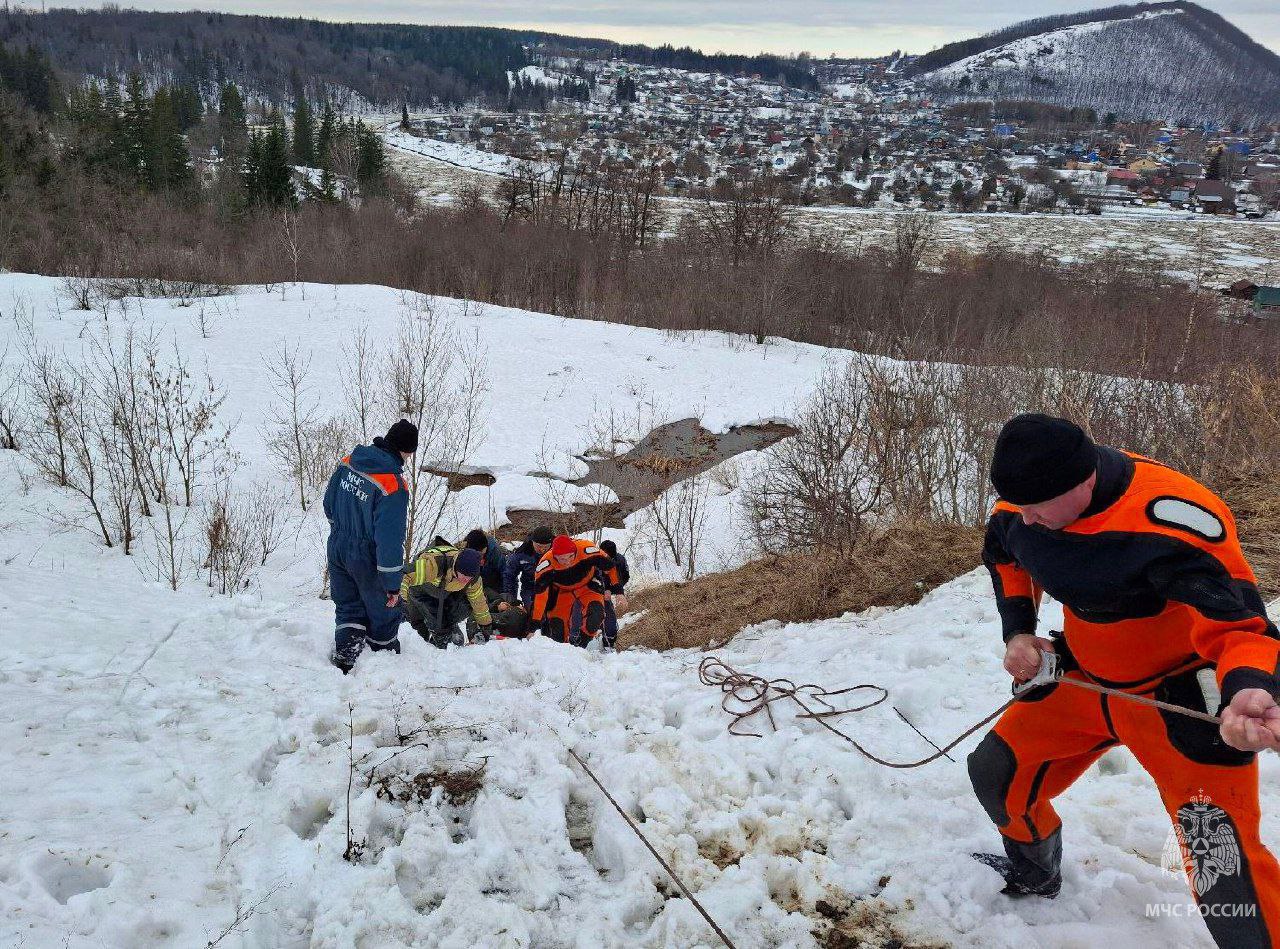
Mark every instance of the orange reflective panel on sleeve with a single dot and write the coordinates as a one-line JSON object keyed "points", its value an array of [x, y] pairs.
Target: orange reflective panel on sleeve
{"points": [[388, 482], [1014, 581]]}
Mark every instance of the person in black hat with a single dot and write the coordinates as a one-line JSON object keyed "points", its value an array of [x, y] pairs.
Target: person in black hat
{"points": [[1158, 600], [442, 589], [517, 582], [367, 505]]}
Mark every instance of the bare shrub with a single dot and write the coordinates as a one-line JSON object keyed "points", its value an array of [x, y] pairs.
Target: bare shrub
{"points": [[360, 383], [12, 401], [80, 290], [241, 529], [913, 237], [742, 219], [132, 434], [881, 441], [436, 379], [678, 521], [818, 489], [294, 420]]}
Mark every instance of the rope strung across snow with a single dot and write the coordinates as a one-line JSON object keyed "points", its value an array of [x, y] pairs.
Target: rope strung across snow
{"points": [[657, 856], [747, 695]]}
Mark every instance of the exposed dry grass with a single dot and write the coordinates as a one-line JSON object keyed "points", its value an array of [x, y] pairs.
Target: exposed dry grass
{"points": [[1255, 502], [895, 569]]}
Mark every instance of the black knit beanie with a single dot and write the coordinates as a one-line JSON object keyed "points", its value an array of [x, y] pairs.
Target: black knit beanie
{"points": [[403, 437], [1039, 457], [541, 535]]}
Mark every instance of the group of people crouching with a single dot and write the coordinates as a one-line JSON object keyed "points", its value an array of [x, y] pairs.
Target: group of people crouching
{"points": [[565, 588]]}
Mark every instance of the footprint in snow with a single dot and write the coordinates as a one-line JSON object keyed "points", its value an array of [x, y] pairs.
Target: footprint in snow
{"points": [[65, 876]]}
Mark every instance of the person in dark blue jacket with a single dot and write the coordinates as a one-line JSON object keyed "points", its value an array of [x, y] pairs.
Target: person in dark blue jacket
{"points": [[517, 574], [367, 504], [493, 561], [609, 635]]}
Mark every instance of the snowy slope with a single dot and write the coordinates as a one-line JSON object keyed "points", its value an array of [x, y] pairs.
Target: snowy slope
{"points": [[571, 372], [176, 759], [450, 153], [1177, 62], [176, 764]]}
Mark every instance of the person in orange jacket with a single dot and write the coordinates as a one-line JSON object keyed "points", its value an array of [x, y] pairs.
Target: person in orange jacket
{"points": [[1158, 601], [566, 576]]}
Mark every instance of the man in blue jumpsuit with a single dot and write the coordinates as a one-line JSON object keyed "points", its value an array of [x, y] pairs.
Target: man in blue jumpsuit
{"points": [[367, 504]]}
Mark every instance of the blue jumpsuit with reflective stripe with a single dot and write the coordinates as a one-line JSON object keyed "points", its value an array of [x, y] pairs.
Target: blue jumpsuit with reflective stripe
{"points": [[366, 503]]}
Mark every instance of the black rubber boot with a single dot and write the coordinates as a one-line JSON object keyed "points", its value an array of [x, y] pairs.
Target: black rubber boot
{"points": [[344, 663], [1028, 869]]}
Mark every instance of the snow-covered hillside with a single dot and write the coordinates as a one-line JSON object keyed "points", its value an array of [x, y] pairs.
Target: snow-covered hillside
{"points": [[551, 381], [177, 768], [1170, 62], [472, 159]]}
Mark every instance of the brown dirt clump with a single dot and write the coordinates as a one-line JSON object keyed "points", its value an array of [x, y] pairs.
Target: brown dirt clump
{"points": [[458, 787], [896, 568], [862, 924]]}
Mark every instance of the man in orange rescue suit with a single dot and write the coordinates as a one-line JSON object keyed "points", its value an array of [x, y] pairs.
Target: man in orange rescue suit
{"points": [[1160, 602], [564, 577]]}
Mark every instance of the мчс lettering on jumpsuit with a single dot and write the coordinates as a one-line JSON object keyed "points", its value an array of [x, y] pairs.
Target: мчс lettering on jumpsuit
{"points": [[1159, 601], [366, 503]]}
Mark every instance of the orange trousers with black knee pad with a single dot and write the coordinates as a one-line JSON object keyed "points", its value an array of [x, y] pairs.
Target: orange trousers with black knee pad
{"points": [[1041, 745], [559, 614]]}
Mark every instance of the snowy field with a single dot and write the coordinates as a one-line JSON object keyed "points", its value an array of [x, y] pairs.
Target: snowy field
{"points": [[177, 764], [449, 153], [1188, 246]]}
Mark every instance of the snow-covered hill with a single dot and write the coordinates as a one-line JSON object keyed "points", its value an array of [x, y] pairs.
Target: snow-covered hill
{"points": [[1164, 61], [177, 768]]}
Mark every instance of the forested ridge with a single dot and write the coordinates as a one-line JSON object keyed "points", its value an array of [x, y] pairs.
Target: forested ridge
{"points": [[381, 64], [353, 65]]}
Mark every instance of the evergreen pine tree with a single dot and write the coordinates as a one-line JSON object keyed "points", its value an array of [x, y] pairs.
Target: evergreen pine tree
{"points": [[167, 162], [135, 130], [188, 106], [404, 116], [328, 187], [233, 125], [251, 169], [267, 176], [1214, 171], [325, 136], [371, 160], [304, 134]]}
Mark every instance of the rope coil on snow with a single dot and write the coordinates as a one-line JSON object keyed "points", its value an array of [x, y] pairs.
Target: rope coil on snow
{"points": [[747, 695]]}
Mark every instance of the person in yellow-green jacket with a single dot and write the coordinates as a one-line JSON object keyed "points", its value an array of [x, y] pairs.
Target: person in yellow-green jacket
{"points": [[441, 590]]}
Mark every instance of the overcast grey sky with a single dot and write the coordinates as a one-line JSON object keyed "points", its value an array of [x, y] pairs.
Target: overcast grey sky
{"points": [[844, 27]]}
